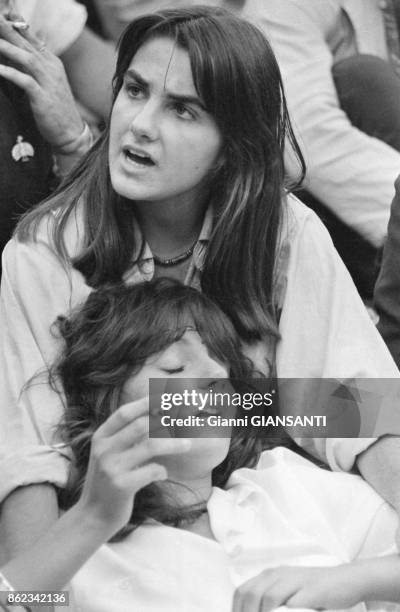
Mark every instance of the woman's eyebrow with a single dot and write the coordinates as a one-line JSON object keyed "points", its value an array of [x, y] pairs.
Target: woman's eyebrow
{"points": [[131, 73], [170, 95]]}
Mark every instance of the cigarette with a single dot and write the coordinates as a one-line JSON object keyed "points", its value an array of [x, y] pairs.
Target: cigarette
{"points": [[20, 25]]}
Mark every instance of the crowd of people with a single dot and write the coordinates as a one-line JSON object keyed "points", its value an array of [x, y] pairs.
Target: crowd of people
{"points": [[198, 192]]}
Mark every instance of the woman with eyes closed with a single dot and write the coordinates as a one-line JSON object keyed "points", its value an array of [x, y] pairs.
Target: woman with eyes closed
{"points": [[187, 181], [148, 522]]}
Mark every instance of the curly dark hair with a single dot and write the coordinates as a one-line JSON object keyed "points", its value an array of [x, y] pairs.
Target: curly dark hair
{"points": [[107, 341]]}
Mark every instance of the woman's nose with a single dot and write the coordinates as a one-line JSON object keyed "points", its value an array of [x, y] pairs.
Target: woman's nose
{"points": [[144, 125]]}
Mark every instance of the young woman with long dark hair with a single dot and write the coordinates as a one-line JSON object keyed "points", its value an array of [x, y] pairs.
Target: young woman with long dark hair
{"points": [[187, 181]]}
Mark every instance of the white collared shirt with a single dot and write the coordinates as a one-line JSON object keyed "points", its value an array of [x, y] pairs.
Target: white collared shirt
{"points": [[287, 511]]}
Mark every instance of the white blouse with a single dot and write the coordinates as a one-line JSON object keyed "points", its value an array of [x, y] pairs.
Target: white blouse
{"points": [[287, 511]]}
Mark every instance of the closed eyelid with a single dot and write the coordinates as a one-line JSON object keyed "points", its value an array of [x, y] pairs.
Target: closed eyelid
{"points": [[170, 361], [177, 370]]}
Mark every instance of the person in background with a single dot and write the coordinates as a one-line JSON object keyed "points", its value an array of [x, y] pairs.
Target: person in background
{"points": [[340, 61], [116, 15], [39, 117], [387, 290]]}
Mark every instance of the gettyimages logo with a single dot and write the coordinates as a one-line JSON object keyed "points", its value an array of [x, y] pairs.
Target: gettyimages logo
{"points": [[304, 408]]}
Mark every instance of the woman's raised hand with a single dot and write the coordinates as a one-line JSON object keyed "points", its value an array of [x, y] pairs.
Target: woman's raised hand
{"points": [[33, 68], [122, 462]]}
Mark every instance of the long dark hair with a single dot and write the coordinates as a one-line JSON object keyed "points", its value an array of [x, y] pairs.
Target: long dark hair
{"points": [[106, 342], [236, 74]]}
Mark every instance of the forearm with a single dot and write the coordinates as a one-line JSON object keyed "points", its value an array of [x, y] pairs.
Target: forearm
{"points": [[377, 579], [26, 514], [380, 466], [69, 156], [53, 560]]}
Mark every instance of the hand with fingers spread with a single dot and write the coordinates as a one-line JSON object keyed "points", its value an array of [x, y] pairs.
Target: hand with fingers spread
{"points": [[316, 588], [26, 62], [122, 461]]}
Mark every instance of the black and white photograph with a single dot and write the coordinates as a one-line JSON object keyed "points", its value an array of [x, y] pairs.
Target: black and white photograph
{"points": [[200, 305]]}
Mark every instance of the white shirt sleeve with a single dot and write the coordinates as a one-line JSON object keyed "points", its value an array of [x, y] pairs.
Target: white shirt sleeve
{"points": [[57, 22], [351, 173], [35, 289], [342, 508], [325, 329]]}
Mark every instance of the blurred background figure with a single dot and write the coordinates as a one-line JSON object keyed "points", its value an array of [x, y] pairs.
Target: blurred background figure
{"points": [[341, 68], [115, 15], [38, 114], [387, 290]]}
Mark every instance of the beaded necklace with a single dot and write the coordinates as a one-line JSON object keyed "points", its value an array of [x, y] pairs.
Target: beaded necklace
{"points": [[174, 261]]}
